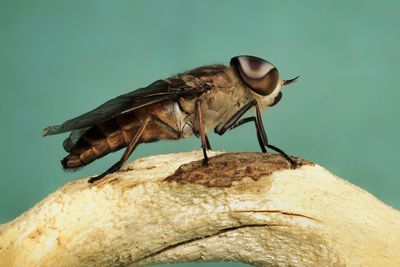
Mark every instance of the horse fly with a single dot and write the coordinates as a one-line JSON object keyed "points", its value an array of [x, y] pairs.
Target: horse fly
{"points": [[193, 102]]}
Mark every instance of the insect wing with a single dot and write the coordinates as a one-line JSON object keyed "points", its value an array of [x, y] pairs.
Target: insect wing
{"points": [[158, 91]]}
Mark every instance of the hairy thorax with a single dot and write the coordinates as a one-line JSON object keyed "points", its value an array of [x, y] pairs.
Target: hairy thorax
{"points": [[226, 96]]}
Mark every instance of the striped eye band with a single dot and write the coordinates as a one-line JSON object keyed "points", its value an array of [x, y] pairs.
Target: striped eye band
{"points": [[258, 74]]}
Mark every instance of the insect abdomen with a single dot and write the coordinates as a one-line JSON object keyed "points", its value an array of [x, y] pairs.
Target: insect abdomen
{"points": [[101, 139], [116, 133]]}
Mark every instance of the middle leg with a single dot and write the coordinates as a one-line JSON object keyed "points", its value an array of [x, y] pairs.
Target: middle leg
{"points": [[202, 134]]}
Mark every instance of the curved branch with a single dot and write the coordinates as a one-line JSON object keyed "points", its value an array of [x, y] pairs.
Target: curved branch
{"points": [[248, 207]]}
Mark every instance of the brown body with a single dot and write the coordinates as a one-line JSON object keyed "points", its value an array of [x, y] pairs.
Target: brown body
{"points": [[224, 98], [194, 102]]}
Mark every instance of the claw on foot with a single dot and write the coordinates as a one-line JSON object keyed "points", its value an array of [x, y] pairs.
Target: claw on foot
{"points": [[96, 178], [294, 164], [205, 163]]}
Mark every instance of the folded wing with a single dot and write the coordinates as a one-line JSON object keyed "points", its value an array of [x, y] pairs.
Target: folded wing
{"points": [[158, 91]]}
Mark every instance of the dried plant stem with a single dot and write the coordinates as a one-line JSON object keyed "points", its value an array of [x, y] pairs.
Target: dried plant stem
{"points": [[247, 207]]}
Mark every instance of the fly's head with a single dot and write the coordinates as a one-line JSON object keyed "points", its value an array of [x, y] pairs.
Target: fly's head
{"points": [[261, 77]]}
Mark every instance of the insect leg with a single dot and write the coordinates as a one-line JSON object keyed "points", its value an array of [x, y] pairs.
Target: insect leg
{"points": [[235, 117], [251, 119], [132, 145], [208, 143], [174, 133], [201, 132], [234, 122], [262, 133]]}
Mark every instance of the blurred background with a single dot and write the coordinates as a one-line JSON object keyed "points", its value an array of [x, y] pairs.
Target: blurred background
{"points": [[59, 59]]}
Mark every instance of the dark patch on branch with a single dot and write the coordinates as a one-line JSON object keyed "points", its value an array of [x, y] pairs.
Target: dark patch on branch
{"points": [[226, 168]]}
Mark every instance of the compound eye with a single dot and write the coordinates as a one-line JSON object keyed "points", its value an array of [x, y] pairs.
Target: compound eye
{"points": [[258, 74]]}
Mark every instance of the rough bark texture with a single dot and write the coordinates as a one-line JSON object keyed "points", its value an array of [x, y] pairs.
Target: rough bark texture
{"points": [[247, 207]]}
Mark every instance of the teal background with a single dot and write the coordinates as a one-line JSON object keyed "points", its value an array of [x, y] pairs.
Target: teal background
{"points": [[59, 59]]}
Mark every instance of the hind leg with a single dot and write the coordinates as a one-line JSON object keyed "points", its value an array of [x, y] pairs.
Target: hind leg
{"points": [[135, 141]]}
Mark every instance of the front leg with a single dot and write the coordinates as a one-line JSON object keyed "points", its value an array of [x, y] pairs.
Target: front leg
{"points": [[234, 122], [260, 128], [259, 138], [262, 138]]}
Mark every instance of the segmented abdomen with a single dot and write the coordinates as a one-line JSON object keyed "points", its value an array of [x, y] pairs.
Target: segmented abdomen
{"points": [[101, 139], [116, 133]]}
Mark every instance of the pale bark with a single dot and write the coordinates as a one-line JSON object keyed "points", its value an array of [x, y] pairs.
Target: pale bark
{"points": [[231, 211]]}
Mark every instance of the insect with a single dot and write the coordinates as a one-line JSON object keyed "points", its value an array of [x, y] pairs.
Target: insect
{"points": [[193, 102]]}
